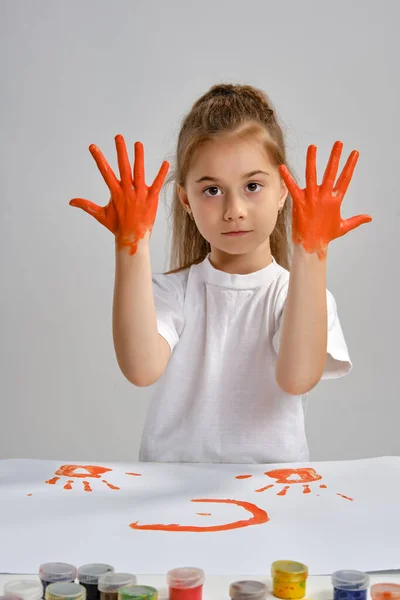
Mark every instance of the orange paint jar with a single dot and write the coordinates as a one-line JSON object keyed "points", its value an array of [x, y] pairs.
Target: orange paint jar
{"points": [[289, 579], [385, 591]]}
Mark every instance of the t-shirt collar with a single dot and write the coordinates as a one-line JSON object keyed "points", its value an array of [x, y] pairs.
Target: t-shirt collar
{"points": [[256, 279]]}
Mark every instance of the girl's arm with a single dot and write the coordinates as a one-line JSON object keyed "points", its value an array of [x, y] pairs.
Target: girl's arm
{"points": [[316, 221], [303, 344], [142, 353]]}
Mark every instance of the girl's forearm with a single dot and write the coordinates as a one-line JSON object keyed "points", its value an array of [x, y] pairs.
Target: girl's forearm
{"points": [[303, 344], [141, 353]]}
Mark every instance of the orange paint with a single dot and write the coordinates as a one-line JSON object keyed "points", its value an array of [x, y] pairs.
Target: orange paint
{"points": [[134, 474], [345, 497], [204, 514], [267, 487], [316, 218], [131, 210], [29, 494], [92, 471], [74, 471], [110, 485], [243, 476], [305, 475], [53, 481], [259, 517]]}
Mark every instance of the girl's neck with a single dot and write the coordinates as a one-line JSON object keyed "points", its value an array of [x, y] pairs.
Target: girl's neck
{"points": [[241, 264]]}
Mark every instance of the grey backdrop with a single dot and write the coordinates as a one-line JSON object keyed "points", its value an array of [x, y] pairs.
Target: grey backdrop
{"points": [[76, 73]]}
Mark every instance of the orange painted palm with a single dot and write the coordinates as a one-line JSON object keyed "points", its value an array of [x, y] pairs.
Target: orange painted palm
{"points": [[316, 218], [132, 208]]}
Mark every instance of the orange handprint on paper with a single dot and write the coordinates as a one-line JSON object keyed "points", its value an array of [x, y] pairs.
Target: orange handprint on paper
{"points": [[304, 476], [72, 472], [316, 218], [132, 208]]}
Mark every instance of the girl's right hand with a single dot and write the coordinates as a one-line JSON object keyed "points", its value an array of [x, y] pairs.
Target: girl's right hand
{"points": [[132, 209]]}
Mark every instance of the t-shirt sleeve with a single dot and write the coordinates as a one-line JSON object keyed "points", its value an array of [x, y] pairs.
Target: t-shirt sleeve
{"points": [[168, 299], [338, 361]]}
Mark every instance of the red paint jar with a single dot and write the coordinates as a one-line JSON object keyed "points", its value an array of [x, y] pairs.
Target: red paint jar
{"points": [[185, 583]]}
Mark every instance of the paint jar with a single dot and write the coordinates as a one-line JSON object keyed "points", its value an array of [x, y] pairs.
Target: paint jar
{"points": [[385, 591], [350, 585], [137, 592], [26, 589], [289, 579], [65, 590], [110, 584], [88, 576], [56, 571], [185, 583], [247, 590]]}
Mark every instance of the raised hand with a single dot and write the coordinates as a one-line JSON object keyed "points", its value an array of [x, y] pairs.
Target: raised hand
{"points": [[132, 208], [316, 218]]}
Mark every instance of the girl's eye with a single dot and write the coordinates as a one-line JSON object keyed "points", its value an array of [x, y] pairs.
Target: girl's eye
{"points": [[254, 183], [214, 189], [211, 188]]}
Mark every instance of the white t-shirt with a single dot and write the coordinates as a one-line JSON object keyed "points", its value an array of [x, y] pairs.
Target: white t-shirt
{"points": [[218, 400]]}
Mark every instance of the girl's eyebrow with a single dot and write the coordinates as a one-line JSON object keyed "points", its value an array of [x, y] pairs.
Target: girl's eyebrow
{"points": [[251, 174]]}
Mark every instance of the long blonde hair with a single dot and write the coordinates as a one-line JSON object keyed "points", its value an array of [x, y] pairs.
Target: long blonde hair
{"points": [[246, 112]]}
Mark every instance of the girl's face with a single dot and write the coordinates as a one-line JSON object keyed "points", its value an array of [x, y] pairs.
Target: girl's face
{"points": [[232, 186]]}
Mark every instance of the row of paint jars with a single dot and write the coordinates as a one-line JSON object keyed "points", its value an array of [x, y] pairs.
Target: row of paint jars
{"points": [[100, 582]]}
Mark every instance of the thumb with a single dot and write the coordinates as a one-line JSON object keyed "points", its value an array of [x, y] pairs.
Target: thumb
{"points": [[349, 224], [89, 207]]}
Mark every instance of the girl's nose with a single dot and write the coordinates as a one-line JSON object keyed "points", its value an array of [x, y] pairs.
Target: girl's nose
{"points": [[234, 209]]}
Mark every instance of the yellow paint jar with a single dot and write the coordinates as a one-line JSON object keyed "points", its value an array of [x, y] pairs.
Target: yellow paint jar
{"points": [[289, 579]]}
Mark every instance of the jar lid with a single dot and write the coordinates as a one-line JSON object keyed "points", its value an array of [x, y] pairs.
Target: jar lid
{"points": [[185, 577], [90, 574], [350, 580], [65, 589], [112, 582], [137, 592], [247, 590], [289, 570], [57, 571], [385, 591], [27, 589]]}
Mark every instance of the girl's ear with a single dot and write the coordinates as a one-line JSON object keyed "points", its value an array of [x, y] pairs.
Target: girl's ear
{"points": [[183, 196], [283, 195]]}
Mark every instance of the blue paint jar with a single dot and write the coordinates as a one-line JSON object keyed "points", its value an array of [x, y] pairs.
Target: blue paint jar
{"points": [[350, 585]]}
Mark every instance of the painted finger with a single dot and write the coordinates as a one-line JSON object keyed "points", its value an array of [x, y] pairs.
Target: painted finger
{"points": [[347, 173], [331, 170], [123, 163], [138, 172], [311, 167], [290, 183], [89, 207], [159, 180], [353, 222], [104, 168]]}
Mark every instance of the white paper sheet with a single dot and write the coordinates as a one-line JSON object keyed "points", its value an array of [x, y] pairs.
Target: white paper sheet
{"points": [[329, 515]]}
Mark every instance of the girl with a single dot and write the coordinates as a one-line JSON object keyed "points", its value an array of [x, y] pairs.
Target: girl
{"points": [[235, 340]]}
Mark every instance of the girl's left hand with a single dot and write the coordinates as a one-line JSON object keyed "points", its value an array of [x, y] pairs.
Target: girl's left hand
{"points": [[316, 208]]}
